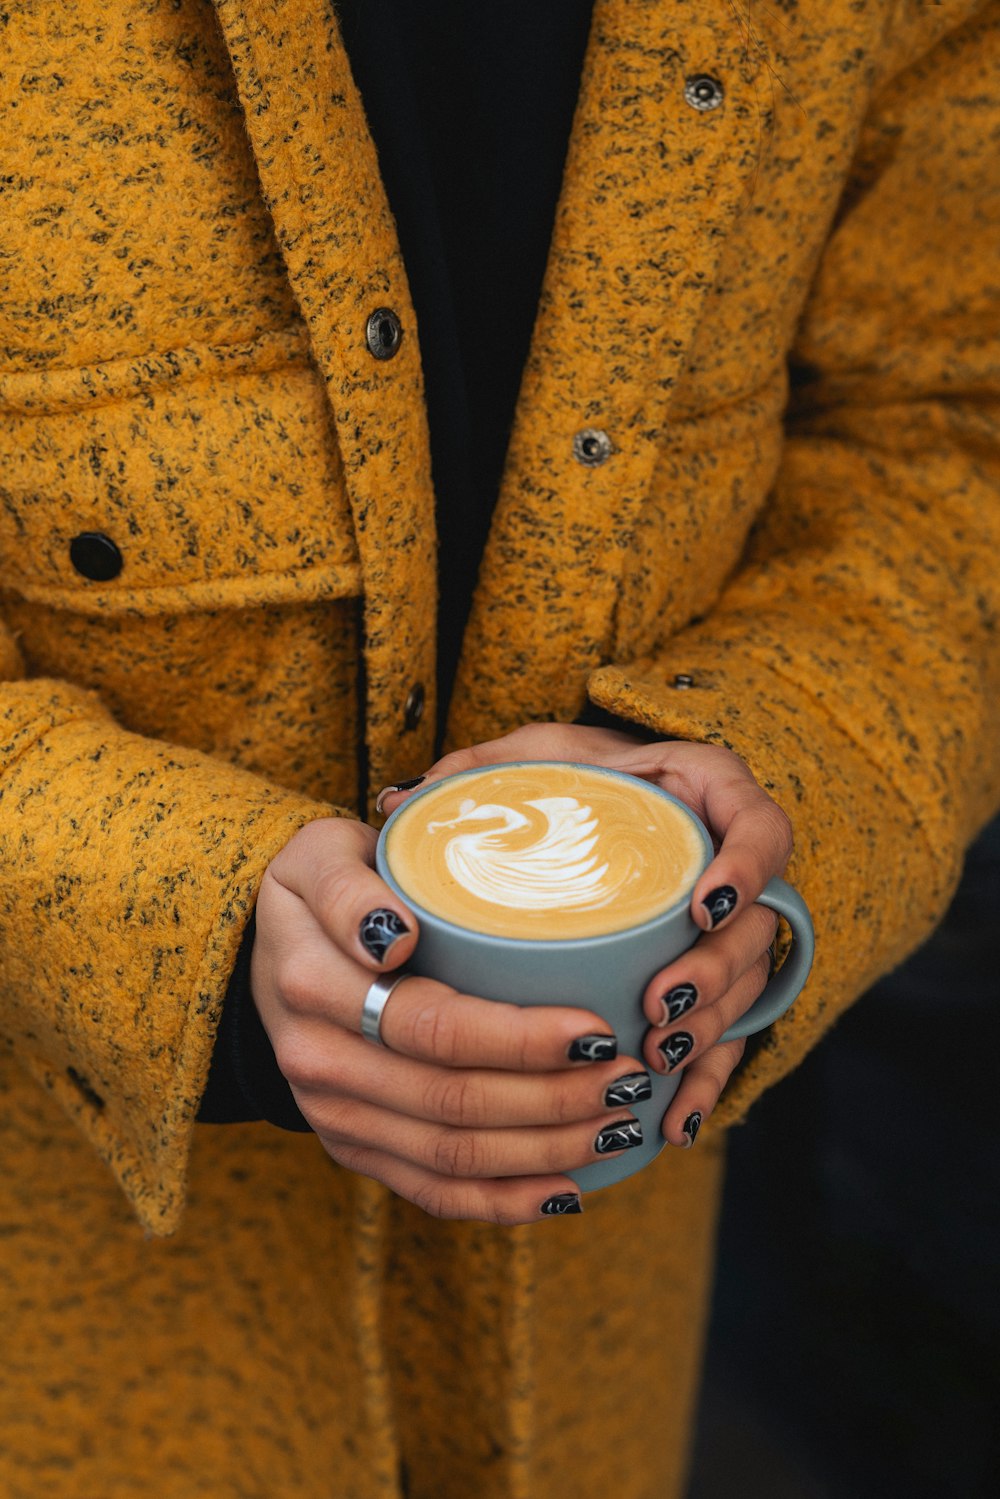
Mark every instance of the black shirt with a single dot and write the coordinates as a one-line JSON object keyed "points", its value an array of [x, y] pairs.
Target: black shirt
{"points": [[470, 106]]}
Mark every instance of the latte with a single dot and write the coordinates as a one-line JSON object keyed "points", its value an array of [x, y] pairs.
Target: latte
{"points": [[544, 852]]}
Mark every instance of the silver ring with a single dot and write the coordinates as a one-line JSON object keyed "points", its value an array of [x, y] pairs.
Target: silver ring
{"points": [[375, 1002]]}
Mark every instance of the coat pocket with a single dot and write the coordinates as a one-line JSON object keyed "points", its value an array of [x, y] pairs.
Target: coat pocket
{"points": [[210, 478]]}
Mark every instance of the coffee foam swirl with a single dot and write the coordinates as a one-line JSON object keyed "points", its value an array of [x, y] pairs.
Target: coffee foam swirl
{"points": [[558, 871], [545, 852]]}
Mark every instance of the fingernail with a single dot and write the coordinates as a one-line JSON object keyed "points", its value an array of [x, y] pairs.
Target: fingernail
{"points": [[379, 930], [399, 786], [720, 904], [676, 1002], [632, 1088], [675, 1048], [691, 1126], [622, 1136], [593, 1049], [561, 1204]]}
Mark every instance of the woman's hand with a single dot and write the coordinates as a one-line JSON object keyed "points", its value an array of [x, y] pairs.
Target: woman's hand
{"points": [[472, 1109], [692, 1001]]}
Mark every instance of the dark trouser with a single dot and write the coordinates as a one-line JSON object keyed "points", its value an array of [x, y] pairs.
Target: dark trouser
{"points": [[856, 1318]]}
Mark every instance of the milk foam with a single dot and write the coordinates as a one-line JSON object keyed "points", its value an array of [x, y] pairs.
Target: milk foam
{"points": [[544, 851], [558, 871]]}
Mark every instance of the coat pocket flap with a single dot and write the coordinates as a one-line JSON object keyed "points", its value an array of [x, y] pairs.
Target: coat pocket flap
{"points": [[198, 480]]}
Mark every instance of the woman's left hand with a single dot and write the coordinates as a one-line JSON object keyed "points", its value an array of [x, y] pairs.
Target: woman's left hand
{"points": [[692, 1001]]}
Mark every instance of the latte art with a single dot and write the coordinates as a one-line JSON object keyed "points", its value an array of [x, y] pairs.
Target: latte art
{"points": [[544, 851], [557, 871]]}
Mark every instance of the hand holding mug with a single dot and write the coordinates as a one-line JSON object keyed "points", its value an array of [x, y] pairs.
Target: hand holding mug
{"points": [[471, 1109], [706, 997]]}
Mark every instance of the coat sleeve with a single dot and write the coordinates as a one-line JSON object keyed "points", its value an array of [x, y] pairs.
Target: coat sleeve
{"points": [[853, 658], [128, 870]]}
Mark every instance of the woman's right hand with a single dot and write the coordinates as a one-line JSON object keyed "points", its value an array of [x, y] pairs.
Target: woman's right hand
{"points": [[472, 1108]]}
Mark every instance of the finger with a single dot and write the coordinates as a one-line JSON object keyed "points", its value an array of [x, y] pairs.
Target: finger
{"points": [[536, 741], [699, 1092], [681, 1045], [449, 1151], [507, 1201], [391, 791], [347, 1065], [421, 1019], [706, 971], [756, 846], [329, 867], [391, 797], [434, 1023]]}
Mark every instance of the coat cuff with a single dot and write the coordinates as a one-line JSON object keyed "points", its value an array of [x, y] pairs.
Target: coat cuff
{"points": [[862, 855], [129, 874]]}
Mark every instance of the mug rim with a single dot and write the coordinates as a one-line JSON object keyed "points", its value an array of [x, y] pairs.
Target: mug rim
{"points": [[551, 944]]}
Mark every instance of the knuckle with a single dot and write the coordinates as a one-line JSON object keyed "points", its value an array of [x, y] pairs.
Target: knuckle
{"points": [[565, 1105], [333, 889], [728, 1056], [519, 1044], [296, 1063], [501, 1211], [456, 1152], [333, 1119], [456, 1099], [297, 985], [434, 1033], [433, 1198]]}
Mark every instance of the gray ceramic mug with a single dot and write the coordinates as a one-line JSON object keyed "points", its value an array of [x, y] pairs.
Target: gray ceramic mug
{"points": [[607, 974]]}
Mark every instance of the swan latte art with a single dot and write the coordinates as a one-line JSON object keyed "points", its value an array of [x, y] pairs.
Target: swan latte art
{"points": [[544, 852]]}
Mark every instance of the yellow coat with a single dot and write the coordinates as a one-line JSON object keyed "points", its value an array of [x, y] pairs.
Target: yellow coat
{"points": [[192, 237]]}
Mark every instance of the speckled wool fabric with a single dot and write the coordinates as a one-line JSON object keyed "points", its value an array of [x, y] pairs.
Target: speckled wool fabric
{"points": [[783, 311]]}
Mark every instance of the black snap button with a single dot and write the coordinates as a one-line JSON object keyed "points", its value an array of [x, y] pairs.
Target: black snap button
{"points": [[592, 447], [95, 556], [383, 333], [413, 708], [703, 92]]}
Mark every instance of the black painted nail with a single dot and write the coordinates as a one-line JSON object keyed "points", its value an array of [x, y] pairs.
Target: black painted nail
{"points": [[379, 930], [593, 1049], [691, 1126], [622, 1136], [677, 1001], [720, 904], [397, 786], [675, 1048], [561, 1204], [632, 1088]]}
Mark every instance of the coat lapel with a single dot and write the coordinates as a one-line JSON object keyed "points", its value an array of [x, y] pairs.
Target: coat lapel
{"points": [[651, 187], [320, 179]]}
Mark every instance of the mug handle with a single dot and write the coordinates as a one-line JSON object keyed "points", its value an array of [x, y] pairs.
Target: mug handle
{"points": [[786, 984]]}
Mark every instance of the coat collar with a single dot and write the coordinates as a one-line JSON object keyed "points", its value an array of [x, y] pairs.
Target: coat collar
{"points": [[650, 189]]}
